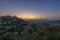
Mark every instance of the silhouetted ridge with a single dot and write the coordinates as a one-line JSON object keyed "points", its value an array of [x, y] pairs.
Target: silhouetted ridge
{"points": [[11, 20]]}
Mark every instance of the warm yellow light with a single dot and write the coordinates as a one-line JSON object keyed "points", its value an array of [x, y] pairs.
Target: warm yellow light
{"points": [[27, 17], [30, 17]]}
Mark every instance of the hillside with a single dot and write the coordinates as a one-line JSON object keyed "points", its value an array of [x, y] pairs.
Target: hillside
{"points": [[14, 28]]}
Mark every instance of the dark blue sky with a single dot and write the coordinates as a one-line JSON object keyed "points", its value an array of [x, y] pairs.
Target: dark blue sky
{"points": [[35, 8]]}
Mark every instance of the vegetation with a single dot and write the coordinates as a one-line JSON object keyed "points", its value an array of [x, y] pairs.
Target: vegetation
{"points": [[13, 28]]}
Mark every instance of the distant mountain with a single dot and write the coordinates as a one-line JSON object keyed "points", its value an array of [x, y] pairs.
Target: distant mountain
{"points": [[54, 21], [44, 21], [37, 21]]}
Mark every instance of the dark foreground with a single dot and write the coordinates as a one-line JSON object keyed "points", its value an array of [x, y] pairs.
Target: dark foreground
{"points": [[13, 28]]}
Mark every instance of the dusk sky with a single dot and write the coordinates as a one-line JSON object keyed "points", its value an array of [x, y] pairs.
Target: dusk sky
{"points": [[31, 9]]}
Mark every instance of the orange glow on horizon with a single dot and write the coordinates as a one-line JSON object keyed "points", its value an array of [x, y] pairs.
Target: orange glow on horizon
{"points": [[28, 17], [31, 18]]}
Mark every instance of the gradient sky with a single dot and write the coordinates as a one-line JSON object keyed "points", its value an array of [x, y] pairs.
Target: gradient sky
{"points": [[31, 9]]}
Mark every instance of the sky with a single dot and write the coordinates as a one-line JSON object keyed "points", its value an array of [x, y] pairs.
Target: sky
{"points": [[31, 9]]}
